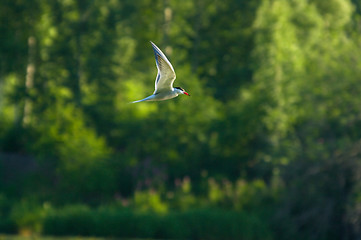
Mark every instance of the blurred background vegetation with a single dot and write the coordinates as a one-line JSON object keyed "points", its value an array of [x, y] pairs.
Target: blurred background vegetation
{"points": [[267, 147]]}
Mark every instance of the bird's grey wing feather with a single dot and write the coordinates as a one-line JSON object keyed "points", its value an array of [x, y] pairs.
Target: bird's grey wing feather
{"points": [[166, 75]]}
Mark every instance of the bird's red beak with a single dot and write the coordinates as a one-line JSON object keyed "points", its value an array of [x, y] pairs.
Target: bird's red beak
{"points": [[186, 93]]}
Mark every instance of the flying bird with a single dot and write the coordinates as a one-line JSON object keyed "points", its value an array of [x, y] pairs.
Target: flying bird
{"points": [[164, 89]]}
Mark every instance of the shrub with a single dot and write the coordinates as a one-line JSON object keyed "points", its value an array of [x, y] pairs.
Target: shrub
{"points": [[6, 224], [221, 224], [73, 220], [28, 215], [126, 223]]}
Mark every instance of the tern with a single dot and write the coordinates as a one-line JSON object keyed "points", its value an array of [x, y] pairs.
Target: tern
{"points": [[164, 89]]}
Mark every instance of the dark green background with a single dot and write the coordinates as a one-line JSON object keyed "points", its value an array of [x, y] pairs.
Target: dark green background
{"points": [[269, 139]]}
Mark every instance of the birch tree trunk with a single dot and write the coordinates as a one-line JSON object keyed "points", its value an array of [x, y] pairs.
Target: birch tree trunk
{"points": [[29, 80]]}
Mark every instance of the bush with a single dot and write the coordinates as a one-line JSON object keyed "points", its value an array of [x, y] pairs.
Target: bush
{"points": [[221, 224], [73, 220], [125, 223], [6, 224], [28, 215]]}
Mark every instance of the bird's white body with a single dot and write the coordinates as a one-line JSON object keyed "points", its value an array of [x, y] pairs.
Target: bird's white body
{"points": [[164, 89]]}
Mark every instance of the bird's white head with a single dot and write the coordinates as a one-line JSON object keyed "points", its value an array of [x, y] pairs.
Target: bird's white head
{"points": [[181, 91]]}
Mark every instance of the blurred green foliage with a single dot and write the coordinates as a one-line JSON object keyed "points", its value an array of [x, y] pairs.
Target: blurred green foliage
{"points": [[269, 140], [193, 224]]}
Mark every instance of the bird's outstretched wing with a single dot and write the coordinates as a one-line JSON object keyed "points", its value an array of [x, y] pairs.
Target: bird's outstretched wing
{"points": [[166, 75]]}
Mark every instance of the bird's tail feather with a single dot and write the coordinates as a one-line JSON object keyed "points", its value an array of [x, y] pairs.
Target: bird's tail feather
{"points": [[145, 99], [138, 101]]}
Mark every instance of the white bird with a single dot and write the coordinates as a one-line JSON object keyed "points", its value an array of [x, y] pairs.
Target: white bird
{"points": [[164, 89]]}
